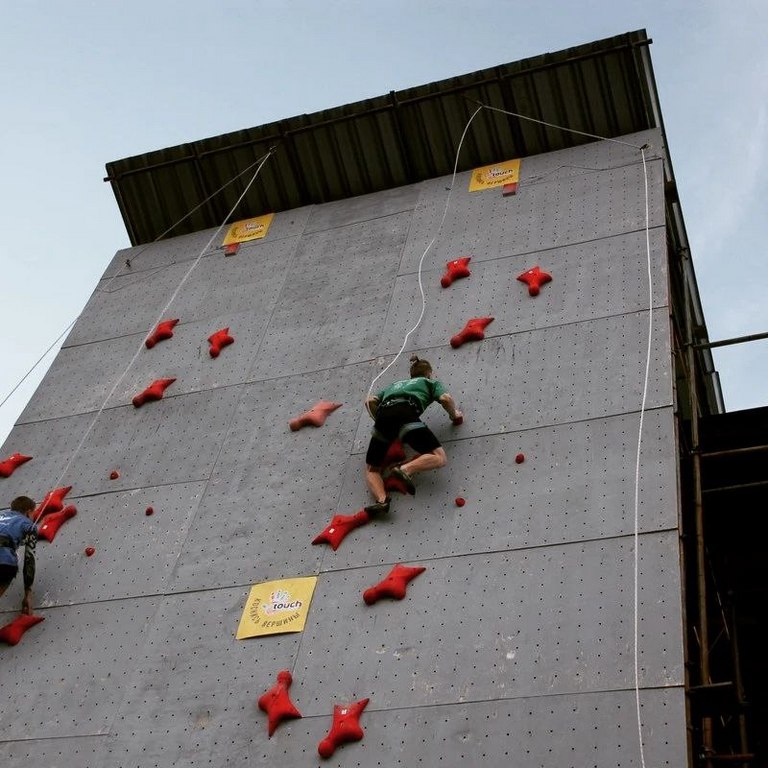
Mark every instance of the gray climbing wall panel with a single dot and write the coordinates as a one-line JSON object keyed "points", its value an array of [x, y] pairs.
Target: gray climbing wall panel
{"points": [[515, 646]]}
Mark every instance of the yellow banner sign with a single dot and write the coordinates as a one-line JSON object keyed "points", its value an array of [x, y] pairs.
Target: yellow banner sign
{"points": [[249, 229], [496, 175], [276, 606]]}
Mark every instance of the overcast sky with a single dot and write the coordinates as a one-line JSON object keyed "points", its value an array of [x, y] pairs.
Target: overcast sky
{"points": [[85, 83]]}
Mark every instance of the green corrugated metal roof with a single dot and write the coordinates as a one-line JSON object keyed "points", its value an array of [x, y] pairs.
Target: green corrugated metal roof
{"points": [[604, 88]]}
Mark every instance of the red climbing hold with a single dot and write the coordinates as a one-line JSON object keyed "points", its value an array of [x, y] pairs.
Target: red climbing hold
{"points": [[218, 341], [153, 392], [230, 249], [458, 421], [460, 502], [472, 331], [163, 331], [114, 474], [394, 585], [12, 463], [345, 727], [89, 551], [53, 501], [12, 633], [49, 527], [509, 189], [456, 269], [534, 278], [336, 531], [395, 454], [149, 511], [276, 702], [520, 458], [315, 416]]}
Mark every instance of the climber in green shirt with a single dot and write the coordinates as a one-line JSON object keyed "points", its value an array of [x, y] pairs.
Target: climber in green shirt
{"points": [[396, 411]]}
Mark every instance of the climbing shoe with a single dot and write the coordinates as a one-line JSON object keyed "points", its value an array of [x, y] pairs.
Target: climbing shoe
{"points": [[379, 508], [404, 478]]}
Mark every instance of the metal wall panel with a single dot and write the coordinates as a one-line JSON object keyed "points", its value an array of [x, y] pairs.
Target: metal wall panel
{"points": [[556, 619], [273, 490], [80, 751], [70, 673], [175, 440], [135, 552], [187, 247], [363, 208], [576, 483], [589, 280], [192, 697], [246, 282], [547, 376], [335, 298], [542, 215]]}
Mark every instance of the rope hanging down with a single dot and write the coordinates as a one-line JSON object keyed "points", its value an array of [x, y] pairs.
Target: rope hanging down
{"points": [[636, 531]]}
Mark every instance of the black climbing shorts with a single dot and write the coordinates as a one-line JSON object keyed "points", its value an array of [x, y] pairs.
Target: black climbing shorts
{"points": [[7, 574], [399, 421]]}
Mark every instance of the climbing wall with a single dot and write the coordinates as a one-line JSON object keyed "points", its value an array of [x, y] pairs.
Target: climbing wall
{"points": [[515, 645]]}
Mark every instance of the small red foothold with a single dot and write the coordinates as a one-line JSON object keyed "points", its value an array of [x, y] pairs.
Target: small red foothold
{"points": [[460, 502], [230, 249], [149, 511], [534, 278], [89, 551], [114, 474], [509, 189], [520, 458]]}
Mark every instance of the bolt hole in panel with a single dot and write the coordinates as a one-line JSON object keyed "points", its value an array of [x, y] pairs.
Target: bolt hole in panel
{"points": [[556, 211], [69, 674], [273, 490], [590, 280], [576, 483], [129, 304], [556, 619]]}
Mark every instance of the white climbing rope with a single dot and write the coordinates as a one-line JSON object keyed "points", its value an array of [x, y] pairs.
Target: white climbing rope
{"points": [[159, 318], [636, 528], [421, 262], [124, 266]]}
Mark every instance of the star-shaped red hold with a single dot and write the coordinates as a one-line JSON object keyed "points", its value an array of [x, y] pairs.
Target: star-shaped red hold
{"points": [[394, 585], [315, 416], [154, 391], [276, 702], [218, 341], [336, 531], [474, 330], [454, 270], [345, 727], [163, 331], [51, 523], [14, 461], [52, 502], [13, 632], [534, 278]]}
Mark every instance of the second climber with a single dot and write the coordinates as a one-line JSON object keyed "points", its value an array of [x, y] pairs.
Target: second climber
{"points": [[396, 411]]}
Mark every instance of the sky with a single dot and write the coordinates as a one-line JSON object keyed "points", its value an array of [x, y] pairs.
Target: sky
{"points": [[87, 82]]}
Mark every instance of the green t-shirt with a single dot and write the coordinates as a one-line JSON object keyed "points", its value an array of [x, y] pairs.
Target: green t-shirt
{"points": [[424, 390]]}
